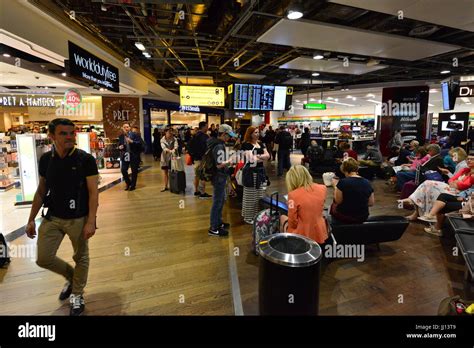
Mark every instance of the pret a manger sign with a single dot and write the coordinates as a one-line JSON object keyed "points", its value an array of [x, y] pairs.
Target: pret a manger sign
{"points": [[86, 66]]}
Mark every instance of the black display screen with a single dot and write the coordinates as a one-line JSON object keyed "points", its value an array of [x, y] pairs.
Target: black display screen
{"points": [[266, 100]]}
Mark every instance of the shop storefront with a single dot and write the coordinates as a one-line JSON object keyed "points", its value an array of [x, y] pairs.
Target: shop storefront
{"points": [[158, 114]]}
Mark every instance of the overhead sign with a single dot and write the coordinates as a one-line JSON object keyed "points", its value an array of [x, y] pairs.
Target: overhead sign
{"points": [[27, 101], [314, 106], [466, 91], [85, 66], [201, 96]]}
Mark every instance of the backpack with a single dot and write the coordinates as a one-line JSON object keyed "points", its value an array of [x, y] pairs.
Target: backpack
{"points": [[207, 167], [316, 153], [328, 157], [4, 259], [286, 141]]}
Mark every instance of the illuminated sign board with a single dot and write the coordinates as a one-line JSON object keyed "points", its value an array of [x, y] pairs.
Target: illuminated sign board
{"points": [[26, 145], [201, 96], [314, 106], [27, 101]]}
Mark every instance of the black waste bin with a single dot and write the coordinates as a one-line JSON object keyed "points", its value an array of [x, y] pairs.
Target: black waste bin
{"points": [[289, 274]]}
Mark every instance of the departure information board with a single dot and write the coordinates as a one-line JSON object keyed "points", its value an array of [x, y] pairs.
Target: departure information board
{"points": [[240, 96], [260, 97]]}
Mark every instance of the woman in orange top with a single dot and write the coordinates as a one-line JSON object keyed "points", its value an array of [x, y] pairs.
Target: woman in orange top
{"points": [[305, 205]]}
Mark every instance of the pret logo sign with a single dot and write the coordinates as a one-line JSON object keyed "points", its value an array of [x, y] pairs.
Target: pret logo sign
{"points": [[72, 98], [118, 111], [88, 67]]}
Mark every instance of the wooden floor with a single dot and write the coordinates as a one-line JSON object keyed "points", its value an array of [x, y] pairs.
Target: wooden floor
{"points": [[152, 255]]}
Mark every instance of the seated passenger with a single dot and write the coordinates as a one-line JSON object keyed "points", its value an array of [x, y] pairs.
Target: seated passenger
{"points": [[352, 195], [305, 206], [373, 156]]}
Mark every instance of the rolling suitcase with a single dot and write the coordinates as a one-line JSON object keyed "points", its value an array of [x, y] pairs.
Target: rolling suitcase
{"points": [[266, 222], [177, 181]]}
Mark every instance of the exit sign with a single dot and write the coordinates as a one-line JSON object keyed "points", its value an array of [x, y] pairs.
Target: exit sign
{"points": [[314, 106]]}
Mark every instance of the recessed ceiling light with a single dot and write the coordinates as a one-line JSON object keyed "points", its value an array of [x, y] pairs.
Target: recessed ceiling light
{"points": [[336, 99], [329, 98], [176, 82], [315, 74], [349, 96], [312, 99], [433, 90], [318, 56], [64, 74], [6, 55], [370, 95], [140, 46], [354, 98], [445, 72], [294, 14], [101, 89], [297, 101]]}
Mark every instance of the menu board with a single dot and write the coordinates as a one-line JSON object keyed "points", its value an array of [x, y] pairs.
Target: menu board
{"points": [[255, 95], [240, 96]]}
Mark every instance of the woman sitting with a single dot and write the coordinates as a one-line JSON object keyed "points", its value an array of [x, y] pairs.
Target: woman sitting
{"points": [[305, 206], [427, 193], [352, 195]]}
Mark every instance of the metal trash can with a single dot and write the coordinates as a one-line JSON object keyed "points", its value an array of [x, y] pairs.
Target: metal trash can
{"points": [[289, 273]]}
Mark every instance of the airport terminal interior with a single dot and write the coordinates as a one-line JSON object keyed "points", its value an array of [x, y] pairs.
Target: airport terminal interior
{"points": [[250, 157]]}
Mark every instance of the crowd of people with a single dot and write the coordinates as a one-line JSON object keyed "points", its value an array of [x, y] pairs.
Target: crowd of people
{"points": [[440, 179]]}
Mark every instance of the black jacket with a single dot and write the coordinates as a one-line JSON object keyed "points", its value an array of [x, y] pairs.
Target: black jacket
{"points": [[284, 141], [198, 145], [433, 164]]}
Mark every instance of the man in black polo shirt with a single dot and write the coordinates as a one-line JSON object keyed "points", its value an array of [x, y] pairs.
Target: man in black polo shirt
{"points": [[68, 187]]}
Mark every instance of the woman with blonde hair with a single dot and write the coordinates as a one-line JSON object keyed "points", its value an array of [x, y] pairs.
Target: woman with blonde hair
{"points": [[254, 178], [305, 205]]}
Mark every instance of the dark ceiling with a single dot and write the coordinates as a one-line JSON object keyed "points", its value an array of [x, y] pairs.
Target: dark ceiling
{"points": [[215, 32]]}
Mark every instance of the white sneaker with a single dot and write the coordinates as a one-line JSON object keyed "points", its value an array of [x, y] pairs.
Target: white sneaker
{"points": [[433, 231], [427, 218]]}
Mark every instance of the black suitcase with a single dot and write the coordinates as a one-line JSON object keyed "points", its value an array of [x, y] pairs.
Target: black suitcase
{"points": [[177, 181]]}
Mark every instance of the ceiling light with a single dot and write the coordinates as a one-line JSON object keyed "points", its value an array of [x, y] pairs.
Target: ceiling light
{"points": [[146, 54], [6, 55], [305, 102], [64, 74], [445, 72], [374, 101], [140, 46], [318, 56], [329, 98], [101, 89], [103, 8], [349, 96], [315, 74], [429, 104], [294, 14], [312, 99], [176, 82], [320, 101], [370, 95], [336, 99], [354, 98], [297, 101], [433, 91]]}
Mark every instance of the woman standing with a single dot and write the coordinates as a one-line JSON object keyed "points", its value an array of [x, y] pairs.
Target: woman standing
{"points": [[156, 144], [168, 144], [253, 175]]}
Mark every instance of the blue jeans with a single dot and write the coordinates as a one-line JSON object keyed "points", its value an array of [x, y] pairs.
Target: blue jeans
{"points": [[403, 177], [283, 161], [218, 197]]}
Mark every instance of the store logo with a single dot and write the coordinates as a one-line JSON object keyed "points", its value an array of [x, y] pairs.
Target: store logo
{"points": [[95, 67], [400, 109], [466, 91], [183, 108], [72, 98]]}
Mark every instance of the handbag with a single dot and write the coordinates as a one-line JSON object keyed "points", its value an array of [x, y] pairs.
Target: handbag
{"points": [[468, 207], [433, 175], [177, 163], [189, 160]]}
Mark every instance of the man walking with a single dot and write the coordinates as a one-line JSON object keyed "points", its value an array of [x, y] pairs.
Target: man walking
{"points": [[197, 149], [285, 144], [68, 187], [219, 180], [130, 146]]}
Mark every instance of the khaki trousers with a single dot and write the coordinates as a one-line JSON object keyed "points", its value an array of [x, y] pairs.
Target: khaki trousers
{"points": [[50, 235]]}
